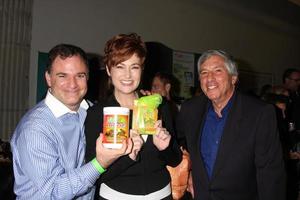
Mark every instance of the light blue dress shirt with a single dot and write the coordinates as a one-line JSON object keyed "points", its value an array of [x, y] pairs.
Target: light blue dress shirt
{"points": [[48, 149]]}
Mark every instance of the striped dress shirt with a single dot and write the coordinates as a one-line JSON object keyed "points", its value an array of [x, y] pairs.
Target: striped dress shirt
{"points": [[48, 149]]}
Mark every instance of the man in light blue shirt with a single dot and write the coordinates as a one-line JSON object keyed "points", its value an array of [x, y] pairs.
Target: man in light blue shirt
{"points": [[48, 144]]}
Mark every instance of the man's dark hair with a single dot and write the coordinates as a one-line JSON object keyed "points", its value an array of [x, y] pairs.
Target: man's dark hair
{"points": [[64, 51], [287, 73], [164, 77], [167, 78]]}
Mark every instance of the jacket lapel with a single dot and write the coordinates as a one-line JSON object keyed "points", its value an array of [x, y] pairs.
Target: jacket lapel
{"points": [[196, 133], [230, 134]]}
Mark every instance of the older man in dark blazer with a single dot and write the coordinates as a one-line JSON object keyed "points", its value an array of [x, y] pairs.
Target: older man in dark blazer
{"points": [[232, 138]]}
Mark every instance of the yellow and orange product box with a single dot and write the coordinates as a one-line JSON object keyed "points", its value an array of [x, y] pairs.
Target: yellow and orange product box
{"points": [[115, 126], [145, 113]]}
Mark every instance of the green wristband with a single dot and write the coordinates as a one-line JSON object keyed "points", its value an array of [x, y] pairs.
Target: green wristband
{"points": [[99, 168]]}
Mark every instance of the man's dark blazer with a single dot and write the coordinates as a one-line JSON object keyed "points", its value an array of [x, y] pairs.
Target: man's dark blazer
{"points": [[249, 163]]}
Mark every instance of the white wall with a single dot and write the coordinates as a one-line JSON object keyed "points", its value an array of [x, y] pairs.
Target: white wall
{"points": [[264, 43]]}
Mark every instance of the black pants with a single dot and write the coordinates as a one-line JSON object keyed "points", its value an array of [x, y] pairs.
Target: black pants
{"points": [[292, 179]]}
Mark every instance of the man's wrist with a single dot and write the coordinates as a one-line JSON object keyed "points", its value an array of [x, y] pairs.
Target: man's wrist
{"points": [[97, 165]]}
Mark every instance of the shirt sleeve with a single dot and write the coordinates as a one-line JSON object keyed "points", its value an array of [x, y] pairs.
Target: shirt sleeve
{"points": [[93, 127], [117, 168], [172, 154], [39, 159]]}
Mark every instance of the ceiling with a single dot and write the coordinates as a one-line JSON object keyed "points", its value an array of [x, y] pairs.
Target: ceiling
{"points": [[287, 11]]}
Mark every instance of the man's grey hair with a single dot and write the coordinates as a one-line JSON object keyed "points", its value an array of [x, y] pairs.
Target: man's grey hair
{"points": [[228, 61]]}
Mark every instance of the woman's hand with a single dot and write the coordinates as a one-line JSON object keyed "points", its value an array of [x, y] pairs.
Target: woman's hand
{"points": [[162, 138], [145, 92], [137, 141], [106, 156]]}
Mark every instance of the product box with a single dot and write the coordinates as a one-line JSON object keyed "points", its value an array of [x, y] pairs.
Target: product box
{"points": [[145, 113], [115, 126]]}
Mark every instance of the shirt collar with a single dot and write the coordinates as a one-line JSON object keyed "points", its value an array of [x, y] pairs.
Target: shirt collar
{"points": [[58, 108], [225, 110]]}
